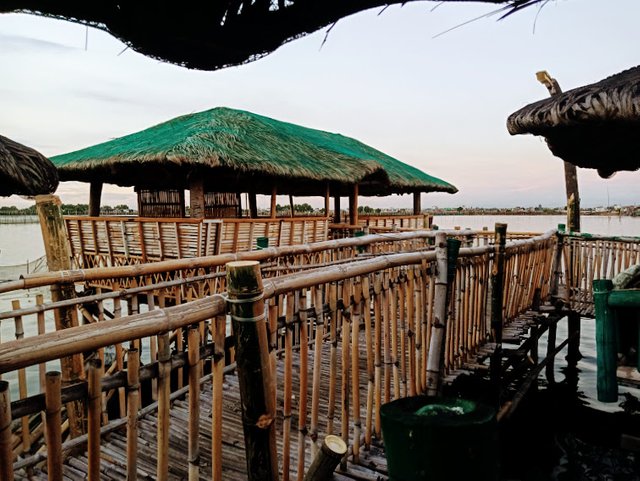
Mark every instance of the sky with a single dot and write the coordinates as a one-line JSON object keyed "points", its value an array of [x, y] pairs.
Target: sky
{"points": [[397, 80]]}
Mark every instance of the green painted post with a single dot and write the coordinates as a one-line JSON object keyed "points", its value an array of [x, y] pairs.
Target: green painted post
{"points": [[606, 348]]}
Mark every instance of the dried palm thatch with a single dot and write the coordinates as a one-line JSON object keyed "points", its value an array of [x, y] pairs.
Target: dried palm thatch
{"points": [[24, 171], [212, 34], [596, 126], [238, 151]]}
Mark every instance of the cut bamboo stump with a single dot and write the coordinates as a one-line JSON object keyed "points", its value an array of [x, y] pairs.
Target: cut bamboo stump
{"points": [[256, 379], [332, 451]]}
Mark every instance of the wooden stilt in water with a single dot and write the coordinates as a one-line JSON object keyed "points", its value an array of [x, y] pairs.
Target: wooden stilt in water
{"points": [[133, 386], [53, 435], [606, 346], [254, 372], [497, 292], [332, 451], [6, 451]]}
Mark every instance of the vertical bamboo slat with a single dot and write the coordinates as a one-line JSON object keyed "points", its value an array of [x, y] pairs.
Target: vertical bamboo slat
{"points": [[53, 434], [194, 402], [133, 386], [219, 328], [94, 415], [164, 389], [6, 451], [302, 405]]}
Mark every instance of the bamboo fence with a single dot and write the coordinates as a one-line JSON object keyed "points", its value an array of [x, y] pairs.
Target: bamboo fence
{"points": [[343, 339]]}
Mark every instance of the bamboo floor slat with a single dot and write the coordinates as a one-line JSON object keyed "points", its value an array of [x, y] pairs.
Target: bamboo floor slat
{"points": [[372, 465]]}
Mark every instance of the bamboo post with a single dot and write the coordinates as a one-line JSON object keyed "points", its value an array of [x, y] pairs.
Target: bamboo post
{"points": [[417, 207], [606, 346], [53, 428], [194, 402], [303, 377], [217, 370], [253, 205], [6, 451], [332, 451], [273, 210], [256, 380], [95, 193], [164, 390], [133, 386], [57, 249], [570, 171], [22, 380], [94, 414], [439, 317], [196, 197], [336, 209], [353, 205], [291, 205], [327, 201], [497, 291]]}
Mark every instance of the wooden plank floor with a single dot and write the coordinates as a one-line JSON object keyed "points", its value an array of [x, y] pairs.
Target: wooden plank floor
{"points": [[371, 467]]}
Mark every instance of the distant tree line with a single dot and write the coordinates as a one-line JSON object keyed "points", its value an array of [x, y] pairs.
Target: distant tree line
{"points": [[69, 209]]}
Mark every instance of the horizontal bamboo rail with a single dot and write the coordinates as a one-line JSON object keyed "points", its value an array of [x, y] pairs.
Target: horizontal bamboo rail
{"points": [[374, 314]]}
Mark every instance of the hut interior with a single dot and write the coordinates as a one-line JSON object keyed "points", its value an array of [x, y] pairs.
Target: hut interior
{"points": [[596, 126]]}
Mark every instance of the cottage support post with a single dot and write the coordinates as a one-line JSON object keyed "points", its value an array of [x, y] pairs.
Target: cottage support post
{"points": [[95, 195], [417, 203], [291, 205], [273, 209], [336, 209], [497, 292], [439, 316], [58, 251], [327, 201], [196, 197], [253, 205], [570, 171], [353, 206], [606, 345], [255, 376]]}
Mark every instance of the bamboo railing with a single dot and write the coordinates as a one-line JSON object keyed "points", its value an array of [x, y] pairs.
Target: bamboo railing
{"points": [[344, 339], [591, 257]]}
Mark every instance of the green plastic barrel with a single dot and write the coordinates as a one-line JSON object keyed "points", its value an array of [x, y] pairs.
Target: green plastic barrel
{"points": [[262, 242], [360, 233], [440, 439]]}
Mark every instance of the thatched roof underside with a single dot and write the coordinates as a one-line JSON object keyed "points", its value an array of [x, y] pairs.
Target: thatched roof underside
{"points": [[24, 171], [238, 151], [596, 126], [209, 35]]}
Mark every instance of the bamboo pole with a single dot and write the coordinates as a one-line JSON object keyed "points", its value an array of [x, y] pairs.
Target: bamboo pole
{"points": [[302, 404], [328, 457], [417, 207], [254, 374], [94, 414], [439, 317], [273, 210], [22, 380], [58, 253], [336, 209], [164, 390], [345, 335], [53, 429], [317, 369], [353, 205], [497, 292], [327, 201], [133, 386], [217, 371], [6, 451], [368, 335], [194, 402]]}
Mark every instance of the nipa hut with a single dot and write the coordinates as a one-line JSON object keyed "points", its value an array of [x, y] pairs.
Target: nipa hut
{"points": [[222, 152], [596, 126], [24, 171]]}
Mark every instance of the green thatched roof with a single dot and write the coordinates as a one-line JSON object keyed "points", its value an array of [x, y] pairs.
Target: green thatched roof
{"points": [[235, 150], [595, 126], [24, 171], [211, 34]]}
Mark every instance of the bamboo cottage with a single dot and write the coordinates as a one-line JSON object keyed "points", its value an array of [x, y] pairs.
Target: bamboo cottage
{"points": [[596, 126], [218, 155]]}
